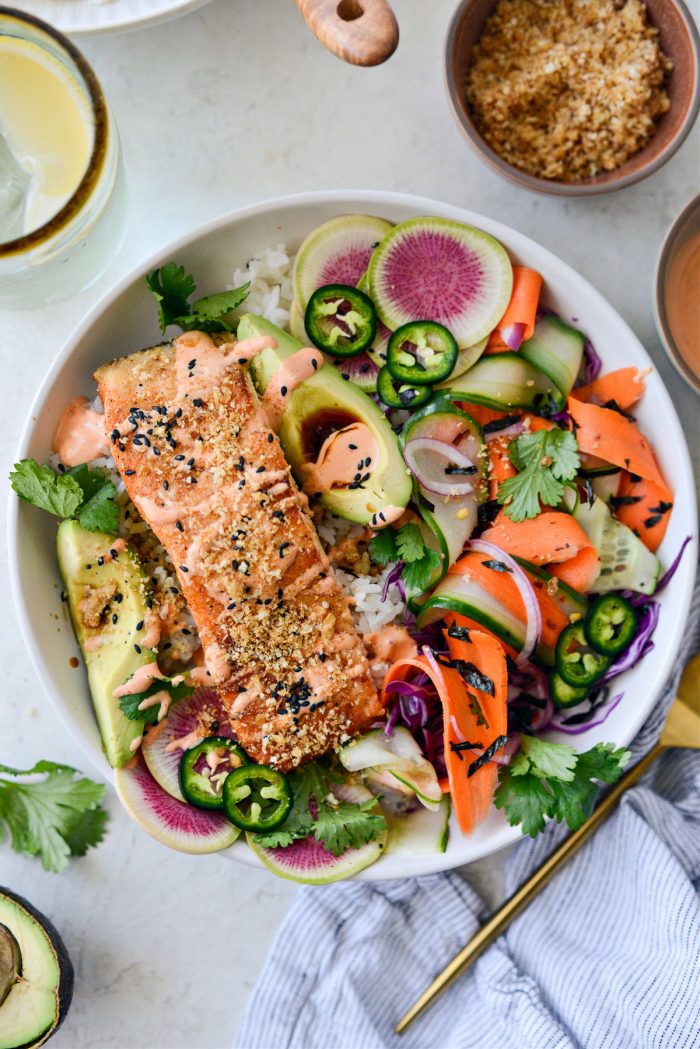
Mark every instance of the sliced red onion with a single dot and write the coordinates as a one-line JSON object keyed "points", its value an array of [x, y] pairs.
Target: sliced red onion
{"points": [[456, 729], [533, 616], [508, 431], [423, 472], [512, 335]]}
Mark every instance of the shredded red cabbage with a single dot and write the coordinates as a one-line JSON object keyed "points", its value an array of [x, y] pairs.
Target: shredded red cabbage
{"points": [[394, 577], [640, 645], [418, 707], [670, 572], [592, 364], [576, 724]]}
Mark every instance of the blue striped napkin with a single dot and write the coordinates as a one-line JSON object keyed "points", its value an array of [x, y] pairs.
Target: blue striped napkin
{"points": [[606, 957]]}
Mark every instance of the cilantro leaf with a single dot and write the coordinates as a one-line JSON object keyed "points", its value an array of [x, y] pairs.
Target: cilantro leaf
{"points": [[297, 825], [60, 494], [129, 705], [80, 492], [343, 825], [409, 543], [575, 800], [98, 512], [172, 287], [338, 825], [54, 818], [417, 574], [212, 310], [544, 460], [551, 781], [382, 547]]}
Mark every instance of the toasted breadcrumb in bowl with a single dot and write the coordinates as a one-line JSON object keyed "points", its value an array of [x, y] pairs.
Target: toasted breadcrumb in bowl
{"points": [[573, 97]]}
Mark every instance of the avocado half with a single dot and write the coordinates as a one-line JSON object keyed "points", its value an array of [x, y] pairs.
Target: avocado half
{"points": [[124, 586], [321, 405], [36, 975]]}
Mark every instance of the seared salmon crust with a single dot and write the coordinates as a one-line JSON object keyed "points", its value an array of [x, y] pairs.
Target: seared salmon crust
{"points": [[206, 472]]}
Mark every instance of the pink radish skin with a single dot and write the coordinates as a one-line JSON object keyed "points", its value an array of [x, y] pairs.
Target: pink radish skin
{"points": [[202, 711], [173, 823]]}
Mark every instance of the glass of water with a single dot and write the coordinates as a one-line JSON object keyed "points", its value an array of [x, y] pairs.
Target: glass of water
{"points": [[62, 192]]}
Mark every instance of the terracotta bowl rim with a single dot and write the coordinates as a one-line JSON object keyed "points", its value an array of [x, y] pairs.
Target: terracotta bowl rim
{"points": [[668, 249], [570, 189]]}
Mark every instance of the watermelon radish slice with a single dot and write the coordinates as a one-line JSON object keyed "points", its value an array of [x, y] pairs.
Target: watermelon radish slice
{"points": [[439, 270], [377, 350], [201, 713], [360, 369], [336, 252], [466, 357], [307, 861], [173, 823], [296, 324]]}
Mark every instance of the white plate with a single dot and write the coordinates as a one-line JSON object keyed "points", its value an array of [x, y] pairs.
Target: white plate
{"points": [[125, 321], [95, 17]]}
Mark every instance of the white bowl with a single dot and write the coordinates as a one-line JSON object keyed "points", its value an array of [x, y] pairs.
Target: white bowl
{"points": [[125, 321]]}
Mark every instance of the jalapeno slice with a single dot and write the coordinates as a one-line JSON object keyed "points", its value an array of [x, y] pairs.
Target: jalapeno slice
{"points": [[204, 768], [400, 395], [421, 353], [610, 624], [341, 320], [564, 695], [577, 662], [257, 797]]}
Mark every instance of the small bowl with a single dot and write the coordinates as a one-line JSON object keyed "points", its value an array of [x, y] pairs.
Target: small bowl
{"points": [[686, 225], [679, 39]]}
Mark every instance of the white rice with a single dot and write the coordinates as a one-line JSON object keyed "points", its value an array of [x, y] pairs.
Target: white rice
{"points": [[271, 293]]}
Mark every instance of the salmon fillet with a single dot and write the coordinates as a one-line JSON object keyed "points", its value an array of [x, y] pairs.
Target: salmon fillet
{"points": [[199, 460]]}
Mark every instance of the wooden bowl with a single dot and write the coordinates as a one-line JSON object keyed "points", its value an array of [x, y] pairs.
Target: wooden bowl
{"points": [[678, 37]]}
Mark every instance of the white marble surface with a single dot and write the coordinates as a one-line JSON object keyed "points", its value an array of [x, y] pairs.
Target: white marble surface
{"points": [[226, 106]]}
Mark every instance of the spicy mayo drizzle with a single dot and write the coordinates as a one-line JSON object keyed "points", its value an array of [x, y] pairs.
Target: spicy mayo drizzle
{"points": [[80, 434]]}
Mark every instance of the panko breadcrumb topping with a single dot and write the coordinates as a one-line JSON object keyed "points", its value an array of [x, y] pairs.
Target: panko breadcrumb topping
{"points": [[567, 89]]}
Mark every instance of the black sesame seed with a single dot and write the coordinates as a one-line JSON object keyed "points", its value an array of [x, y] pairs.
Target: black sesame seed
{"points": [[260, 470], [130, 473], [231, 606], [179, 458], [322, 657], [242, 360], [156, 451], [270, 438], [178, 413], [137, 648], [115, 617], [100, 561], [190, 462], [197, 402], [314, 363], [184, 568], [139, 625], [283, 391], [192, 364], [167, 645], [368, 460], [166, 485], [174, 590], [186, 631], [119, 598], [114, 553], [283, 547], [353, 447], [61, 468], [178, 525]]}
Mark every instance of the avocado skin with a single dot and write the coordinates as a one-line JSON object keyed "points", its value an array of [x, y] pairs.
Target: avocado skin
{"points": [[326, 390], [65, 965]]}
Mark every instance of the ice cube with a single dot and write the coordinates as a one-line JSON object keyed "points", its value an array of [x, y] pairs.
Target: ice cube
{"points": [[14, 188]]}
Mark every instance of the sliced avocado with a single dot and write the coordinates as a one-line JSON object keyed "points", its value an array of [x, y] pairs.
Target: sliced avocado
{"points": [[319, 407], [107, 602], [36, 975]]}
